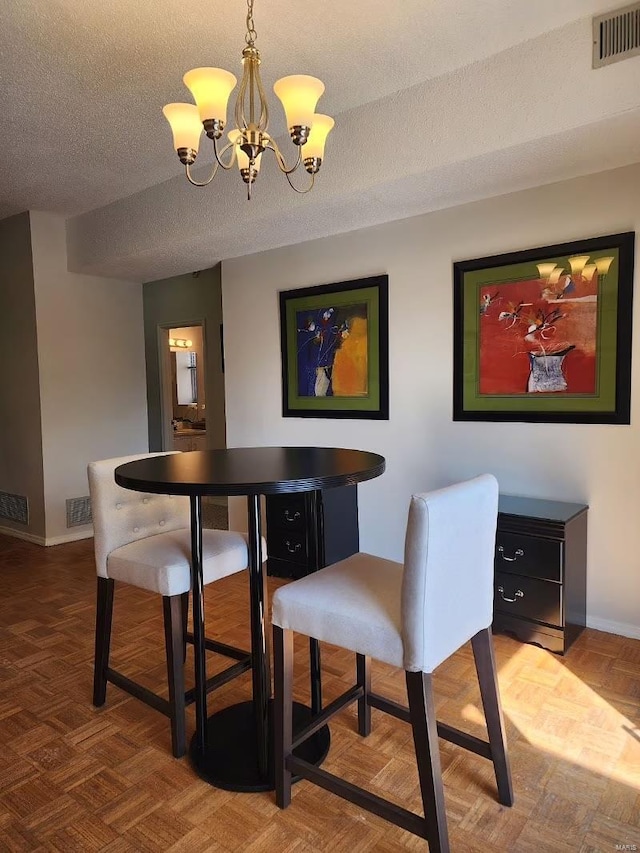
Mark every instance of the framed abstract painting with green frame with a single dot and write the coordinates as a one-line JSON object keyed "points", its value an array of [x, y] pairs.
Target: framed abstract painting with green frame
{"points": [[334, 341], [544, 335]]}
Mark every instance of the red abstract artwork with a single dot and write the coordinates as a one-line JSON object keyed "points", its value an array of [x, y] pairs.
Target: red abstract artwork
{"points": [[539, 335]]}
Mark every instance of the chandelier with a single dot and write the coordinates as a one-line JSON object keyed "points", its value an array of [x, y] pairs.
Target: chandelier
{"points": [[211, 88]]}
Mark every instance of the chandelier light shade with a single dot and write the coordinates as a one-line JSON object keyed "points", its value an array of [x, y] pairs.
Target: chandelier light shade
{"points": [[242, 158], [211, 89], [186, 126], [299, 95], [320, 129]]}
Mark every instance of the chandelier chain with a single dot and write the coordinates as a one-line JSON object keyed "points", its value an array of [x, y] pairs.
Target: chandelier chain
{"points": [[251, 34]]}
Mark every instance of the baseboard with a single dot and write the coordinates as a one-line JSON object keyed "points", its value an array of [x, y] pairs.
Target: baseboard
{"points": [[51, 540], [69, 537], [22, 534], [622, 629]]}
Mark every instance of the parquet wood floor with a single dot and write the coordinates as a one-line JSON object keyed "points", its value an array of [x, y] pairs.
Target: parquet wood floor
{"points": [[73, 778]]}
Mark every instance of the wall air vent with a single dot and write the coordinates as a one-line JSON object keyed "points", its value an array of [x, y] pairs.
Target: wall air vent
{"points": [[79, 511], [616, 35], [14, 507]]}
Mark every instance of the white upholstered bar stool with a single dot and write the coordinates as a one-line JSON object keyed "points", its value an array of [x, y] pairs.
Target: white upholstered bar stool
{"points": [[145, 540], [412, 616]]}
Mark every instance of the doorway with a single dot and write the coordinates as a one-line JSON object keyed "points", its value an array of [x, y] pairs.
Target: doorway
{"points": [[192, 399]]}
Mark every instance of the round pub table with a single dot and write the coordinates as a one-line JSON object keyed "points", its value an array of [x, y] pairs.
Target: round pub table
{"points": [[233, 749]]}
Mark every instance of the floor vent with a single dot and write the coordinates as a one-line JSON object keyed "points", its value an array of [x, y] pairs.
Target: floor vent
{"points": [[78, 511], [616, 35], [14, 507]]}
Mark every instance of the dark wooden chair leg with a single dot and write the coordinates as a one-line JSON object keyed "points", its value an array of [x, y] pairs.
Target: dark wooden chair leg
{"points": [[104, 614], [174, 643], [363, 678], [484, 657], [425, 739], [184, 601], [283, 712], [315, 671]]}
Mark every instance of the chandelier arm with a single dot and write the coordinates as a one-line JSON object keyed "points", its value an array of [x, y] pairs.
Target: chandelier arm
{"points": [[263, 123], [282, 165], [200, 183], [241, 121], [293, 187], [215, 166], [225, 166]]}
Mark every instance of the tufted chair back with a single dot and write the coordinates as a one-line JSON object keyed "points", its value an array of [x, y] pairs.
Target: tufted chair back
{"points": [[121, 516]]}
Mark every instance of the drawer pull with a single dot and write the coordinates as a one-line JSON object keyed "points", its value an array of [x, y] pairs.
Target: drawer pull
{"points": [[518, 594], [289, 517], [518, 553], [292, 550]]}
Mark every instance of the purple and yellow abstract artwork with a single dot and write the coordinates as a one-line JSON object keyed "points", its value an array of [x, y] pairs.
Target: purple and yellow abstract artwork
{"points": [[332, 351]]}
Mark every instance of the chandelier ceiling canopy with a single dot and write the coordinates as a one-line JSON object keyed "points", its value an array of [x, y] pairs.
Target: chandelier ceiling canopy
{"points": [[249, 139]]}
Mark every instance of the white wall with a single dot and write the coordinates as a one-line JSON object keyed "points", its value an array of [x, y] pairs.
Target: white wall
{"points": [[598, 464], [92, 371]]}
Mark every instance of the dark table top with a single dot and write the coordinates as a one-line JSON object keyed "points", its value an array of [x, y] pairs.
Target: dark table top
{"points": [[250, 471]]}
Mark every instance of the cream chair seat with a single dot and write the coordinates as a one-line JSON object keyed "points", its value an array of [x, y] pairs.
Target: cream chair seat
{"points": [[413, 616], [144, 540]]}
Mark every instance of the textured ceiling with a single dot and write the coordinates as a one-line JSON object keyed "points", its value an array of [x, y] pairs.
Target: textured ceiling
{"points": [[444, 101]]}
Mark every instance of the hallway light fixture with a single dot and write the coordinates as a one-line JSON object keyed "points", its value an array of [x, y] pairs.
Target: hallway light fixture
{"points": [[180, 343], [211, 89]]}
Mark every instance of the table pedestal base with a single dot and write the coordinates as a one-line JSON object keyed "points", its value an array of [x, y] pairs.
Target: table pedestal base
{"points": [[230, 760]]}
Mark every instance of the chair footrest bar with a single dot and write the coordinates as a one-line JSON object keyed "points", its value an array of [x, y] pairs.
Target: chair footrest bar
{"points": [[466, 741], [221, 648], [393, 708], [346, 698], [448, 733], [364, 799], [218, 680], [139, 692]]}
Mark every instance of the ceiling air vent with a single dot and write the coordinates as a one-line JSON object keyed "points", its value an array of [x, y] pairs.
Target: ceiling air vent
{"points": [[78, 511], [14, 507], [616, 35]]}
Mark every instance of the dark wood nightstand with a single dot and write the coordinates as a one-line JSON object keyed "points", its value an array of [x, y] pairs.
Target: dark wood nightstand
{"points": [[540, 588]]}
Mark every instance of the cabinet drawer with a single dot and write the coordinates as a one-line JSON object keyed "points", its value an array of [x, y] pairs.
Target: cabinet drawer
{"points": [[528, 598], [288, 545], [529, 555], [286, 511]]}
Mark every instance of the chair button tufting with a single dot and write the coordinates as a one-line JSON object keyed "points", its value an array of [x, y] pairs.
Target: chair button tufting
{"points": [[118, 506], [162, 524], [136, 529], [145, 500]]}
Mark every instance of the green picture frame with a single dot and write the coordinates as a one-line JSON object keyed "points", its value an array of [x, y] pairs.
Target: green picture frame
{"points": [[544, 335], [335, 351]]}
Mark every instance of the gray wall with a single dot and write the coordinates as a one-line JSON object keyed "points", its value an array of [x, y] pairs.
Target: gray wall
{"points": [[21, 467], [185, 300]]}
